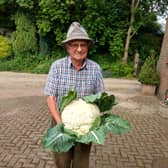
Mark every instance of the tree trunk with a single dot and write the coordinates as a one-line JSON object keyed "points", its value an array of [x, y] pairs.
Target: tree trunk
{"points": [[127, 43], [134, 5], [162, 66]]}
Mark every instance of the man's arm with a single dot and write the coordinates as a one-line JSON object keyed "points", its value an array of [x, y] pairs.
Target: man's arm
{"points": [[51, 102]]}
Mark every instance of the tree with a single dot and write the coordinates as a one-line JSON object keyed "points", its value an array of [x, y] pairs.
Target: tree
{"points": [[141, 13], [134, 6], [100, 18], [149, 37], [24, 38], [107, 23]]}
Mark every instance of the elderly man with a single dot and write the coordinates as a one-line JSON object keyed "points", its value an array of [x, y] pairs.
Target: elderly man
{"points": [[74, 71]]}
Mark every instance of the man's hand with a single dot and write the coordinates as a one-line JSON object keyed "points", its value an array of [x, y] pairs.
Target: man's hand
{"points": [[52, 106]]}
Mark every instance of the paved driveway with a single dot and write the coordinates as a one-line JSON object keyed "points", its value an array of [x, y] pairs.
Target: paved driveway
{"points": [[24, 119]]}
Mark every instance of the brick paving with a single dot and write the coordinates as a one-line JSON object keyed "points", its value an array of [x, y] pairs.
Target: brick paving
{"points": [[25, 119]]}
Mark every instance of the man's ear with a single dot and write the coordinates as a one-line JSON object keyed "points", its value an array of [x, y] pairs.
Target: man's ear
{"points": [[65, 46]]}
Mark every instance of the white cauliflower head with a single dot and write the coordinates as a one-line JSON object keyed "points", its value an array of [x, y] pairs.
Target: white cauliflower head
{"points": [[79, 116]]}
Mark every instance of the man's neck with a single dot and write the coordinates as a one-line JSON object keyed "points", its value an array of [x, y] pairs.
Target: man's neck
{"points": [[77, 64]]}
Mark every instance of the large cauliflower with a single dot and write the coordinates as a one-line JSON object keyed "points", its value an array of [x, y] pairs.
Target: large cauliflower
{"points": [[88, 120], [79, 116]]}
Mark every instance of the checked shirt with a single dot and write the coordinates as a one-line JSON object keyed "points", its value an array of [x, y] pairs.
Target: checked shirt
{"points": [[63, 77]]}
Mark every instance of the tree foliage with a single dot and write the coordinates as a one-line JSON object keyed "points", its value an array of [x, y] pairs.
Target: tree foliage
{"points": [[107, 23], [29, 4], [24, 38], [100, 18], [141, 13]]}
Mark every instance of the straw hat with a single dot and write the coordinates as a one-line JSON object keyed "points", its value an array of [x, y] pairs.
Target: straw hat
{"points": [[76, 32]]}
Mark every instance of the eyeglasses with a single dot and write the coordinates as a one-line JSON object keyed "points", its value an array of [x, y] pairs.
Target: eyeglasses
{"points": [[77, 45]]}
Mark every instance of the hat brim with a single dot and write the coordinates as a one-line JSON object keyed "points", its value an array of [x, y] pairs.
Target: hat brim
{"points": [[76, 38]]}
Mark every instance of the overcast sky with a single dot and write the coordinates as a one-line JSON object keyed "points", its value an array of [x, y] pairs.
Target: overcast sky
{"points": [[162, 21]]}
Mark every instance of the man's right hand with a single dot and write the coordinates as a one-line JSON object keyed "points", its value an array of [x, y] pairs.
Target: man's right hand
{"points": [[52, 106]]}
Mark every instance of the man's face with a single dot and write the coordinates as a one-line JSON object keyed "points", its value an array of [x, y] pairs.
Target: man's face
{"points": [[78, 50]]}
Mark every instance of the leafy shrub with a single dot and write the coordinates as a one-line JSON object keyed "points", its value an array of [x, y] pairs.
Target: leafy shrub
{"points": [[41, 68], [5, 47], [148, 74], [31, 64], [10, 65], [120, 69], [104, 64], [113, 68]]}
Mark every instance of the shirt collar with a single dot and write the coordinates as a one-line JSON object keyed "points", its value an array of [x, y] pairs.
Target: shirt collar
{"points": [[85, 64]]}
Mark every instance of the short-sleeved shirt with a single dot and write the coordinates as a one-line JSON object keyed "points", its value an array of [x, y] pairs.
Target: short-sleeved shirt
{"points": [[63, 77]]}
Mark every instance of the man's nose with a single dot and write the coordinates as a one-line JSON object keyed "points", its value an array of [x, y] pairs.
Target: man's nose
{"points": [[79, 48]]}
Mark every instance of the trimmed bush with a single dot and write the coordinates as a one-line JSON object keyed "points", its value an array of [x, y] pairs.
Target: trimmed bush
{"points": [[24, 38], [148, 74]]}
